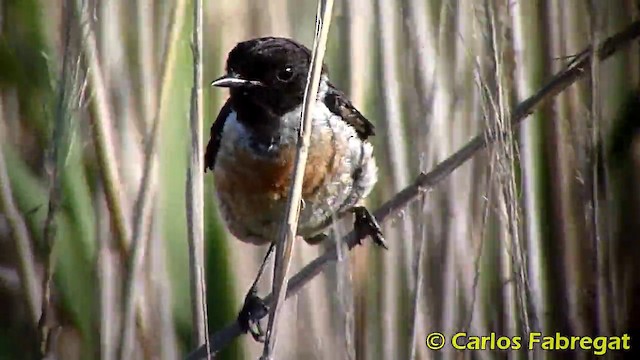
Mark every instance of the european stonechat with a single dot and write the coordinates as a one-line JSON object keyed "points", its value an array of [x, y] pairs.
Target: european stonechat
{"points": [[252, 152]]}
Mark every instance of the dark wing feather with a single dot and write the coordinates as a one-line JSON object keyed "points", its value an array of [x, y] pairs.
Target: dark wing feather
{"points": [[216, 136], [338, 104]]}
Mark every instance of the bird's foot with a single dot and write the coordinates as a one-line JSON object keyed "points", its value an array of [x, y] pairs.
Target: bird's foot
{"points": [[317, 239], [249, 317], [365, 224]]}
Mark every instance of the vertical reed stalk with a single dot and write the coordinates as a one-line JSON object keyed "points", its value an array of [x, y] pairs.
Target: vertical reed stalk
{"points": [[195, 188], [284, 247]]}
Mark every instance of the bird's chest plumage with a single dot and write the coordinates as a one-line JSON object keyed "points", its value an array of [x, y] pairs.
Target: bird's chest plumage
{"points": [[252, 178]]}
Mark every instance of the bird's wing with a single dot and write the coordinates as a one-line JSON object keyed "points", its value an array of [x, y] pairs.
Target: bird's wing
{"points": [[338, 104], [216, 136]]}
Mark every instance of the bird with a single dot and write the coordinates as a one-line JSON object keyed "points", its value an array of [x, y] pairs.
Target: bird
{"points": [[252, 148]]}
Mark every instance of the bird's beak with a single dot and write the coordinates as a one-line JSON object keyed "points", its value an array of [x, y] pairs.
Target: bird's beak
{"points": [[234, 80]]}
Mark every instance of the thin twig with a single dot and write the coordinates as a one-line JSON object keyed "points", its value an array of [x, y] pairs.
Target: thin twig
{"points": [[194, 188], [423, 182], [142, 209], [284, 247]]}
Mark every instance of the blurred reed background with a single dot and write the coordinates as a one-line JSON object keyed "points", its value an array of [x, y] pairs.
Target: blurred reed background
{"points": [[539, 232]]}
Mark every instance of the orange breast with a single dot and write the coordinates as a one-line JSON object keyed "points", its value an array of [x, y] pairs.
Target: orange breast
{"points": [[242, 172]]}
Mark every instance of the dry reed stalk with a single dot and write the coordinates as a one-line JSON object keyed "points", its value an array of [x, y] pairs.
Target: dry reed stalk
{"points": [[568, 204], [101, 125], [469, 188], [284, 247], [529, 61], [195, 187], [359, 19], [110, 262], [596, 208], [165, 334], [399, 164], [422, 40], [143, 205], [107, 265], [441, 144], [513, 262]]}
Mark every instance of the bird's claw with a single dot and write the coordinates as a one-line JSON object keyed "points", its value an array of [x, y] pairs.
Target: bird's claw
{"points": [[365, 224], [249, 317]]}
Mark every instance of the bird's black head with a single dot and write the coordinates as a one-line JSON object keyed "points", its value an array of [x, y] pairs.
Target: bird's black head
{"points": [[269, 73]]}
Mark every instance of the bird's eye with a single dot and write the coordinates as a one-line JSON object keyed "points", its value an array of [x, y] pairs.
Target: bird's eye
{"points": [[285, 74]]}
